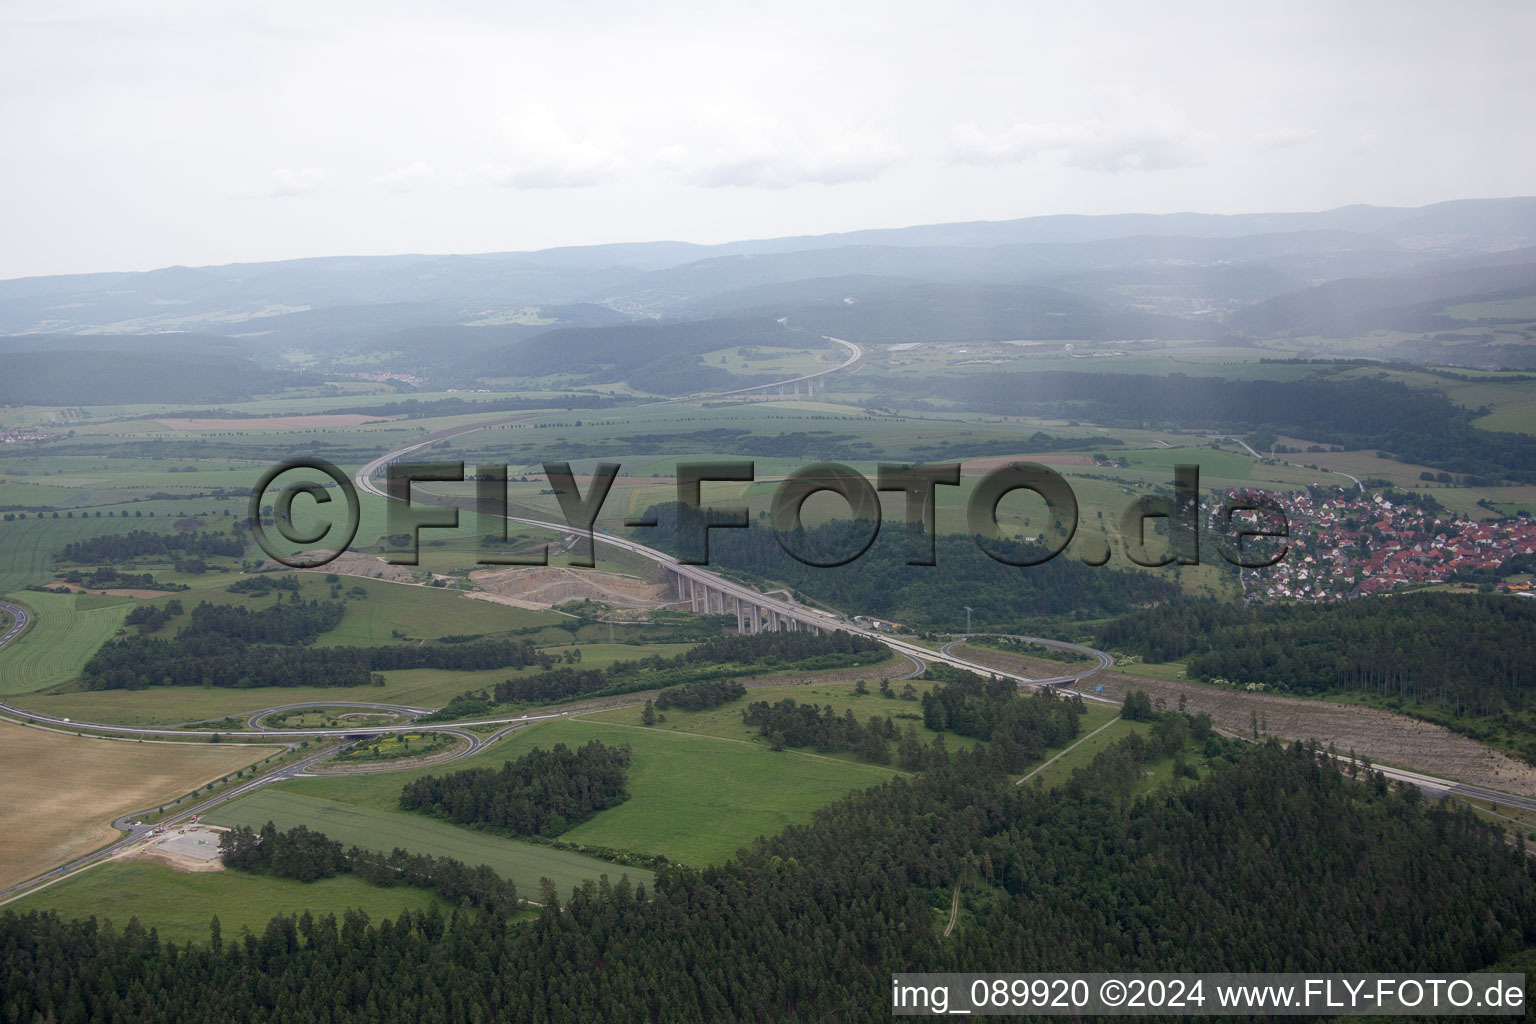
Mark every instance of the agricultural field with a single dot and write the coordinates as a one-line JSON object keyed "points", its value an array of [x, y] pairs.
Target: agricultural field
{"points": [[384, 829], [27, 546], [66, 630], [62, 792], [414, 687], [180, 904]]}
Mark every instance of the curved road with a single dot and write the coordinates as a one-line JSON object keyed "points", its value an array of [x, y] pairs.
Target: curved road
{"points": [[1105, 661], [19, 620], [855, 355]]}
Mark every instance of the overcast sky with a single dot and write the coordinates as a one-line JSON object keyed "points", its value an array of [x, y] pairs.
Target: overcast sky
{"points": [[164, 132]]}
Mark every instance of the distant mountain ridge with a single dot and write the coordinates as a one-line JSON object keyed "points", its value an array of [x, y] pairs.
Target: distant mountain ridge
{"points": [[1127, 276]]}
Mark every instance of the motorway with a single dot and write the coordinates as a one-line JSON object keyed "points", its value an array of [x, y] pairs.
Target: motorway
{"points": [[855, 355], [1104, 660], [19, 620]]}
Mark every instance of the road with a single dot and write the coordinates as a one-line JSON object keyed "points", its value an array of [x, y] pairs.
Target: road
{"points": [[855, 355], [1352, 476], [19, 620], [1104, 660], [1245, 445], [823, 619]]}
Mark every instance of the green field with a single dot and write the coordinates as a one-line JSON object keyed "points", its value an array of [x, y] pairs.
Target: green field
{"points": [[382, 829], [418, 687], [693, 798], [27, 545], [725, 722], [59, 642], [180, 904]]}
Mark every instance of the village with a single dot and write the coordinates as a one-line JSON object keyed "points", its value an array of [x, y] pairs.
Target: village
{"points": [[1345, 544]]}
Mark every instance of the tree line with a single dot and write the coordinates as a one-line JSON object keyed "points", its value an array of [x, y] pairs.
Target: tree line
{"points": [[142, 543], [725, 657], [542, 793], [305, 855], [230, 645], [696, 696]]}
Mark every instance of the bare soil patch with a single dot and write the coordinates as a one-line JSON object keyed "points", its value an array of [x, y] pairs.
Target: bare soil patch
{"points": [[544, 587], [1382, 736], [188, 848]]}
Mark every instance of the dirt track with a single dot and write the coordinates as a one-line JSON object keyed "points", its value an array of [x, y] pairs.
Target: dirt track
{"points": [[1370, 732], [1380, 735]]}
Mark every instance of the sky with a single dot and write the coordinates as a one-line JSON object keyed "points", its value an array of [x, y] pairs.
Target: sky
{"points": [[171, 132]]}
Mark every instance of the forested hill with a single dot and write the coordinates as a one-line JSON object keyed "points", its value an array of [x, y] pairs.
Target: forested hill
{"points": [[810, 925], [881, 584], [658, 357], [1414, 424], [69, 376], [1471, 653]]}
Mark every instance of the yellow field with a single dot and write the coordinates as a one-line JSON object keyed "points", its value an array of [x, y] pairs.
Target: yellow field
{"points": [[59, 794]]}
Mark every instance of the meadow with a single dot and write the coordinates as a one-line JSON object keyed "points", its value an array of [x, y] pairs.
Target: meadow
{"points": [[180, 904], [384, 829], [693, 798], [27, 546], [185, 704], [61, 639]]}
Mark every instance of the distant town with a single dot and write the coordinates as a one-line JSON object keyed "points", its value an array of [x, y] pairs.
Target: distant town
{"points": [[1346, 544]]}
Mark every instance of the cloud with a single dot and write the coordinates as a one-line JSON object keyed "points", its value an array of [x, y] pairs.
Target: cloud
{"points": [[764, 154], [288, 182], [1089, 145], [1283, 138], [1368, 141], [405, 179], [540, 153]]}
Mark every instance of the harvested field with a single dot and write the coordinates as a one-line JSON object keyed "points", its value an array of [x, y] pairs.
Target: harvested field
{"points": [[60, 793], [70, 588], [274, 422], [1380, 735], [546, 586]]}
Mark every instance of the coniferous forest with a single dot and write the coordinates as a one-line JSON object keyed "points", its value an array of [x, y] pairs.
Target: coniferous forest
{"points": [[1275, 861], [1472, 653], [543, 792]]}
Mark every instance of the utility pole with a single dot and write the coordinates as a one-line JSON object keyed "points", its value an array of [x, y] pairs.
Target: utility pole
{"points": [[967, 618]]}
